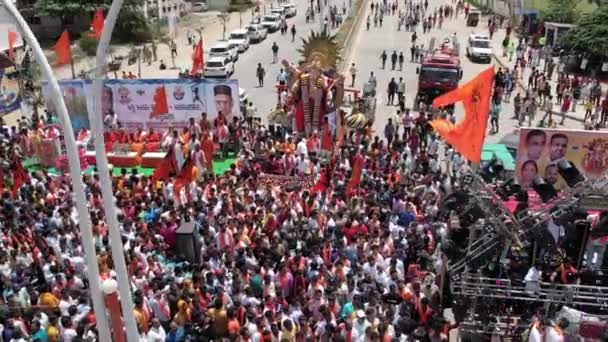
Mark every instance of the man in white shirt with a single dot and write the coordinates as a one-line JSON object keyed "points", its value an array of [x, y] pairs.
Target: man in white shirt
{"points": [[301, 148], [157, 332], [353, 74], [532, 280], [360, 325], [303, 165]]}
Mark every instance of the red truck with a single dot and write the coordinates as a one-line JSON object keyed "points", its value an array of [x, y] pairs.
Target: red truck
{"points": [[439, 72]]}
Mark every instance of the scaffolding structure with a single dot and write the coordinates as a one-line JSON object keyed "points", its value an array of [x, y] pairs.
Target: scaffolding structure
{"points": [[497, 235]]}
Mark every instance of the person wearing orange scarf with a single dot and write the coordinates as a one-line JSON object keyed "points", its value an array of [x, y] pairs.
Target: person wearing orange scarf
{"points": [[208, 148]]}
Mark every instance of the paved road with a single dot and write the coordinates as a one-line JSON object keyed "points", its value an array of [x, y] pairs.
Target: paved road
{"points": [[370, 44], [265, 99]]}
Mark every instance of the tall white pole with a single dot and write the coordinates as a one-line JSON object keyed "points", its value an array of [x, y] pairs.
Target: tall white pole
{"points": [[95, 119], [84, 219]]}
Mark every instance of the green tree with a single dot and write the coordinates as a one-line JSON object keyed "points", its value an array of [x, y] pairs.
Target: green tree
{"points": [[68, 9], [590, 33], [561, 11]]}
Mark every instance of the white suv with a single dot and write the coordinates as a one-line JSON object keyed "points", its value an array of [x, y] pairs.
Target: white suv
{"points": [[290, 10], [479, 48], [240, 39], [218, 67], [224, 50], [271, 22], [256, 33]]}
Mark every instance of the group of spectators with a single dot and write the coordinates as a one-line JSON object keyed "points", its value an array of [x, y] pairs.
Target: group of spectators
{"points": [[277, 263]]}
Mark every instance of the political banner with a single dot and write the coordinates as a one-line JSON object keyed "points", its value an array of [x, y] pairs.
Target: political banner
{"points": [[9, 100], [540, 150], [77, 97], [158, 103]]}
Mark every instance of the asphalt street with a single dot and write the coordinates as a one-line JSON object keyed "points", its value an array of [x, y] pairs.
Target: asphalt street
{"points": [[265, 98], [370, 44]]}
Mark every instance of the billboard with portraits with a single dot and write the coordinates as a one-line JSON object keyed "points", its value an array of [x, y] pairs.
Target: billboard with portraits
{"points": [[540, 150], [158, 103]]}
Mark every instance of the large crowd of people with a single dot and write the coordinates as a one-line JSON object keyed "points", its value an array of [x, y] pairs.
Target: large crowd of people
{"points": [[277, 263]]}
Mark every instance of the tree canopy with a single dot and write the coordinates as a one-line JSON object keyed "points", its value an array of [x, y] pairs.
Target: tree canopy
{"points": [[561, 11], [590, 33]]}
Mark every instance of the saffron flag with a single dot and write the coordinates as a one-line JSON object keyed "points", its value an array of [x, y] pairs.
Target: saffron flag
{"points": [[197, 58], [63, 49], [467, 135], [355, 178], [186, 175], [97, 24], [167, 167], [160, 106], [12, 39], [20, 176]]}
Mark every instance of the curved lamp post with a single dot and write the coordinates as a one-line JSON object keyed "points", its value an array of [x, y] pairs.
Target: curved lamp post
{"points": [[74, 164], [95, 119]]}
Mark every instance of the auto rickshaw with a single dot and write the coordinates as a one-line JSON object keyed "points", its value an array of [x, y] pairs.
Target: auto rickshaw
{"points": [[473, 18]]}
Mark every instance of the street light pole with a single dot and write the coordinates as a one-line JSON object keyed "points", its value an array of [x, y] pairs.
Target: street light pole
{"points": [[84, 218], [95, 117]]}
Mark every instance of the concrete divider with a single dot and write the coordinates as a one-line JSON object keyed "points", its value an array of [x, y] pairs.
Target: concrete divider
{"points": [[348, 42]]}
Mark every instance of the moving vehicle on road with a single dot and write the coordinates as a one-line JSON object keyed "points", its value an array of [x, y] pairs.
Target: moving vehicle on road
{"points": [[224, 50], [239, 39], [221, 67], [200, 7], [479, 48], [290, 10], [473, 18], [439, 72], [271, 22], [256, 33], [280, 11]]}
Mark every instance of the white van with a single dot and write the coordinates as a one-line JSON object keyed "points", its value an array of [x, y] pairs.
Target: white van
{"points": [[240, 39], [218, 67], [290, 10], [224, 50], [271, 22], [256, 33]]}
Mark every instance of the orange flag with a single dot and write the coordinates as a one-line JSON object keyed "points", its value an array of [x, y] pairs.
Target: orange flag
{"points": [[160, 106], [467, 135], [186, 175], [355, 178], [197, 58], [20, 176], [12, 39], [97, 24], [166, 167], [63, 49]]}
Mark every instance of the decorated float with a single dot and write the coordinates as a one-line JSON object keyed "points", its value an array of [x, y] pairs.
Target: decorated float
{"points": [[316, 91]]}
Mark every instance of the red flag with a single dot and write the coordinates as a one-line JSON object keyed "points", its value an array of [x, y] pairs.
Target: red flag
{"points": [[355, 179], [63, 49], [97, 24], [197, 58], [12, 39], [166, 168], [467, 136], [20, 176], [160, 106]]}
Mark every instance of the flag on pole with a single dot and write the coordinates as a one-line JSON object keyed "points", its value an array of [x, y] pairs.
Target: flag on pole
{"points": [[20, 176], [12, 39], [355, 178], [467, 136], [63, 50], [160, 106], [167, 167], [97, 24], [197, 58]]}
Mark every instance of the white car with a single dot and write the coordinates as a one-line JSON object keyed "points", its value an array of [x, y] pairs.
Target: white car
{"points": [[280, 11], [240, 39], [290, 10], [480, 48], [256, 33], [200, 7], [224, 50], [218, 67], [271, 22]]}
